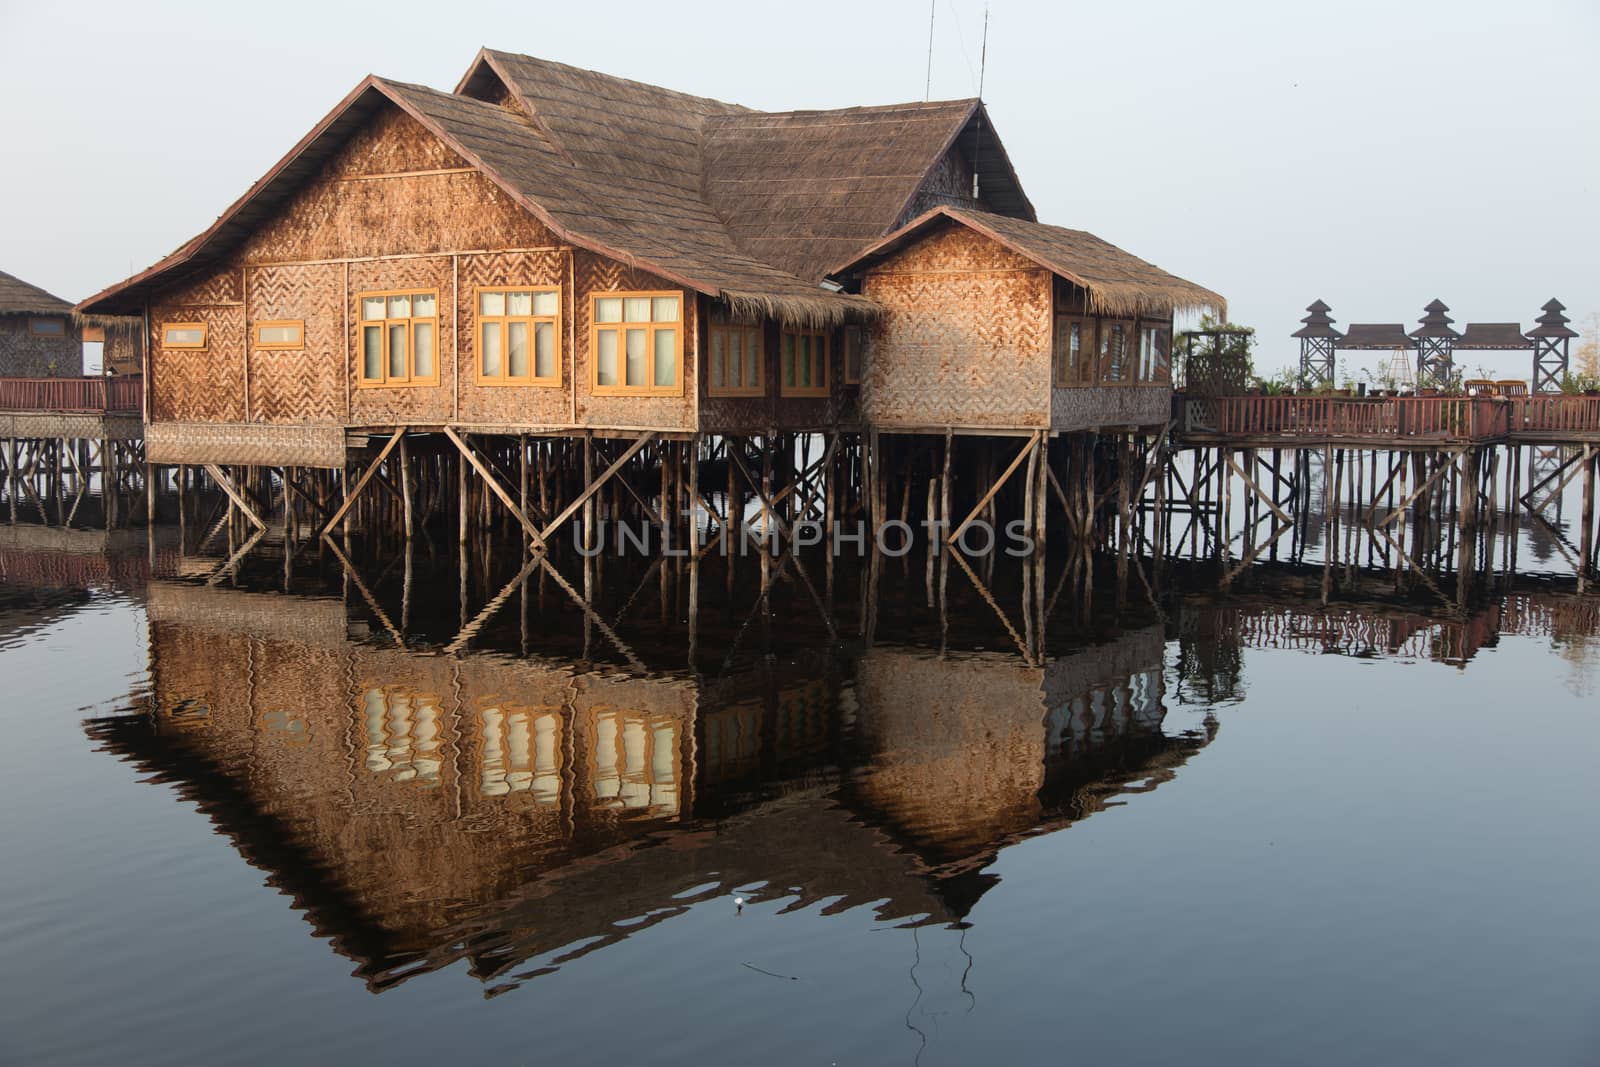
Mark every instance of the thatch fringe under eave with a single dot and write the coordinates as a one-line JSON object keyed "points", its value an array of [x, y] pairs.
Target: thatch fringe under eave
{"points": [[1118, 301], [110, 322], [819, 312]]}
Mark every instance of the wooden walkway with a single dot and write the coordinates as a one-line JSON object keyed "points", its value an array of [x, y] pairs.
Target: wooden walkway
{"points": [[1389, 422]]}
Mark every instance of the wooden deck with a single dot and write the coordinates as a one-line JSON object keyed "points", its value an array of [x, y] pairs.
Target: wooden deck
{"points": [[75, 395], [1397, 422]]}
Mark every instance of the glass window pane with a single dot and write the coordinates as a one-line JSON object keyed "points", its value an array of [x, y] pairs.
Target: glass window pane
{"points": [[49, 327], [608, 309], [606, 357], [636, 309], [519, 303], [717, 348], [666, 358], [490, 350], [399, 307], [664, 309], [279, 335], [788, 359], [517, 349], [635, 373], [424, 306], [422, 351], [547, 303], [397, 350], [752, 366], [371, 308], [544, 350], [372, 353], [491, 303]]}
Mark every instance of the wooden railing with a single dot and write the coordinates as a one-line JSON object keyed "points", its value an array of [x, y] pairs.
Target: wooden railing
{"points": [[120, 395], [1553, 414], [1443, 417]]}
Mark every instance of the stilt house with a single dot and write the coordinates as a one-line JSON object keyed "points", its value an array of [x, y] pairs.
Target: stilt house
{"points": [[38, 335], [551, 250]]}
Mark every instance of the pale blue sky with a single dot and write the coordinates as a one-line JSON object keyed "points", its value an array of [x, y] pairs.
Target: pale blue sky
{"points": [[1375, 154]]}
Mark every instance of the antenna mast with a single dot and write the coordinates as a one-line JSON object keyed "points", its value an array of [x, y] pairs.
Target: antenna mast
{"points": [[977, 133], [927, 89]]}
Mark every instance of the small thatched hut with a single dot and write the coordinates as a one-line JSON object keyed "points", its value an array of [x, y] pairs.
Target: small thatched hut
{"points": [[997, 323], [39, 337]]}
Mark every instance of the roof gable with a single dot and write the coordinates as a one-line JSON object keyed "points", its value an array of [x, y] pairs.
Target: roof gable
{"points": [[1117, 282], [18, 297]]}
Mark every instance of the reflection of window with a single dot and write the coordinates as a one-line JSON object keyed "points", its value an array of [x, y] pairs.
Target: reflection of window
{"points": [[518, 336], [189, 712], [636, 344], [735, 361], [635, 764], [521, 752], [286, 334], [403, 735], [399, 332], [48, 327], [1155, 363], [1114, 355], [1071, 362], [183, 335], [284, 725], [805, 363]]}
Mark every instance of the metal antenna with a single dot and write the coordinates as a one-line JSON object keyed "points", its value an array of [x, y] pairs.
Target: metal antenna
{"points": [[983, 54], [977, 133], [927, 89]]}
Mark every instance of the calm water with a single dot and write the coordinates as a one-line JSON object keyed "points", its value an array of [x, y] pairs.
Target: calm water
{"points": [[243, 826]]}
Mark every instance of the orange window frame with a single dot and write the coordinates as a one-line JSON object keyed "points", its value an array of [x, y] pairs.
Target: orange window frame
{"points": [[651, 329], [722, 336], [802, 364], [167, 329], [385, 326], [504, 323], [298, 325]]}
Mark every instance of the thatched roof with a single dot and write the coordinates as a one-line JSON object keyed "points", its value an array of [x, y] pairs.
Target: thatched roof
{"points": [[747, 207], [1374, 335], [1117, 282], [1494, 336], [17, 297], [803, 190]]}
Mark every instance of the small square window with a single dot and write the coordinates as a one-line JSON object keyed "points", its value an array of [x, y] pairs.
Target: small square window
{"points": [[183, 335]]}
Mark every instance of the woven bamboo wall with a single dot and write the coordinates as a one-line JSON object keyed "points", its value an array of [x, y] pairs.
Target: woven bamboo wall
{"points": [[958, 744], [298, 385], [515, 405], [393, 406], [965, 340], [201, 385], [597, 274], [950, 182], [25, 354], [347, 213]]}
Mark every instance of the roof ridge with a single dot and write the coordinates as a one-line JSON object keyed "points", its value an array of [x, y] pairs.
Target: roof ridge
{"points": [[634, 82]]}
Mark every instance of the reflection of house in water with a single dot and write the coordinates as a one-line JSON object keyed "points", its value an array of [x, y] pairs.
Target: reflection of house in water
{"points": [[423, 809]]}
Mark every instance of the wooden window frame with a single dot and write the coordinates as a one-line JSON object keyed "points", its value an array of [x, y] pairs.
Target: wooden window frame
{"points": [[1155, 377], [199, 346], [298, 324], [1061, 368], [852, 342], [621, 388], [747, 334], [532, 379], [35, 320], [815, 389], [411, 381], [1130, 352]]}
